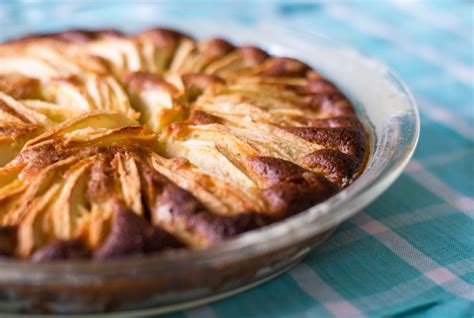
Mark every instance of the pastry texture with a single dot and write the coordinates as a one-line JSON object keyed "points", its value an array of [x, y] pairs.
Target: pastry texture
{"points": [[114, 144]]}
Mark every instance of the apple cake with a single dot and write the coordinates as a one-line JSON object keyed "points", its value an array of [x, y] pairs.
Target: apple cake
{"points": [[115, 144]]}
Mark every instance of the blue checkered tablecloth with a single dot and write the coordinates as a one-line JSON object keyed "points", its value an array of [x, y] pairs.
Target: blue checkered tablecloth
{"points": [[411, 252]]}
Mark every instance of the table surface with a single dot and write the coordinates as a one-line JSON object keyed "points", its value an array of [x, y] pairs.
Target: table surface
{"points": [[411, 252]]}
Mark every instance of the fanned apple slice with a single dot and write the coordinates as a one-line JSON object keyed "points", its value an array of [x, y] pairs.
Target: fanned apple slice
{"points": [[130, 183], [46, 58], [29, 115], [63, 213], [55, 112], [273, 141], [100, 119], [67, 91], [132, 136], [28, 67], [17, 124], [286, 108], [20, 87], [237, 112], [217, 195], [9, 148], [90, 92], [204, 54], [56, 58], [183, 50], [122, 54], [36, 186], [158, 46], [201, 146], [31, 234], [155, 99], [94, 225], [11, 185], [237, 63], [108, 95]]}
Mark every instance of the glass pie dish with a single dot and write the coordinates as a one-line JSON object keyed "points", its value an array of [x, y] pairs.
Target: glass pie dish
{"points": [[183, 278]]}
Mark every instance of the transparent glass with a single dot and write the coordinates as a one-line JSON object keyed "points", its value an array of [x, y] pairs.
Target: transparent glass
{"points": [[180, 279]]}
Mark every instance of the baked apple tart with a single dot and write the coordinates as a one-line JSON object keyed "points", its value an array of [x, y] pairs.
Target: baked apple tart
{"points": [[114, 144]]}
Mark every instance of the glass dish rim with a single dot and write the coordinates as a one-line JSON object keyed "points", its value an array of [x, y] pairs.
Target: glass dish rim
{"points": [[364, 190]]}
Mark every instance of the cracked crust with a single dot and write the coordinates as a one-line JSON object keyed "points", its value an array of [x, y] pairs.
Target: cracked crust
{"points": [[116, 145]]}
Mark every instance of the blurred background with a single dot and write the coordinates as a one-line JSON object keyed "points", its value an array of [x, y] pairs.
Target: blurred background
{"points": [[420, 261]]}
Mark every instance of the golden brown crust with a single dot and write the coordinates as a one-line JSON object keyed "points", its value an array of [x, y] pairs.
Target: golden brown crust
{"points": [[199, 117], [216, 47], [332, 122], [289, 188], [273, 171], [116, 145], [288, 199], [179, 209], [132, 234], [20, 87], [139, 81], [334, 104], [60, 250], [7, 240], [347, 140], [253, 56], [338, 166], [162, 37], [201, 81], [283, 66]]}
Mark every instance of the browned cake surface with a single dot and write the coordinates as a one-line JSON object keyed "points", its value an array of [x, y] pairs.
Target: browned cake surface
{"points": [[113, 145]]}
